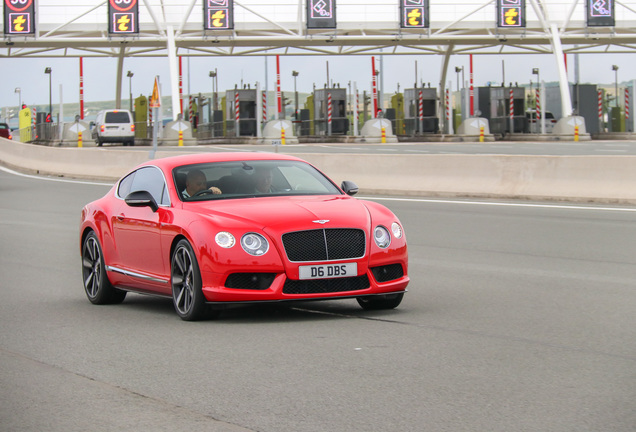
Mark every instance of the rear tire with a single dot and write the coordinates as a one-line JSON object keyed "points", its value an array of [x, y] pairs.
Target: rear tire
{"points": [[379, 302], [96, 284]]}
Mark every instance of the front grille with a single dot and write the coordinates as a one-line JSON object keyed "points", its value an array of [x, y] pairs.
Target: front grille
{"points": [[388, 272], [324, 244], [321, 286], [250, 281]]}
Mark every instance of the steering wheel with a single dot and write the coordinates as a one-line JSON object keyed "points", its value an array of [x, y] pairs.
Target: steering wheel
{"points": [[203, 192]]}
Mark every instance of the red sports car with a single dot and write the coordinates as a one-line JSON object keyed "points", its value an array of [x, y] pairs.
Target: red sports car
{"points": [[211, 230]]}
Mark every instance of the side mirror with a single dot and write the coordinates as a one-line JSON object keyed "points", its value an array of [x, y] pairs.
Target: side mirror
{"points": [[141, 199], [349, 187]]}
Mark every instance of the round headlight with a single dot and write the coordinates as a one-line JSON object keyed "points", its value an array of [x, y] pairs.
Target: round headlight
{"points": [[382, 237], [254, 244], [397, 230], [225, 239]]}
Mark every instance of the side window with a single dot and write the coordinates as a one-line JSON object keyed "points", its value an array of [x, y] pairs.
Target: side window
{"points": [[125, 184], [151, 179]]}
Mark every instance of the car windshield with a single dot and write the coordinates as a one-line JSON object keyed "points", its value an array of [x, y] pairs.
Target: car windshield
{"points": [[241, 179]]}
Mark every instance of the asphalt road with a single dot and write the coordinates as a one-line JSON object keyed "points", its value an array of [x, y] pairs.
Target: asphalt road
{"points": [[518, 318]]}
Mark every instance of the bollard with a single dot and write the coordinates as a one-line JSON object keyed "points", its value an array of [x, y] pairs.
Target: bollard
{"points": [[383, 136], [282, 136], [576, 133], [481, 134], [180, 138], [79, 139]]}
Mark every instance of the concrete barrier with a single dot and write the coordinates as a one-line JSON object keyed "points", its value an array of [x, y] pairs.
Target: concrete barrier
{"points": [[610, 179]]}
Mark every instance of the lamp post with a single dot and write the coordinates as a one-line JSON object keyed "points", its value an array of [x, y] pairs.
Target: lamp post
{"points": [[130, 75], [18, 90], [48, 71], [295, 75], [215, 88], [535, 71], [458, 70], [615, 69]]}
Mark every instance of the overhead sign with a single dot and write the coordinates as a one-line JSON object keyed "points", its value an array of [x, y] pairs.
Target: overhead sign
{"points": [[321, 14], [218, 14], [414, 14], [600, 13], [19, 17], [123, 17], [511, 13]]}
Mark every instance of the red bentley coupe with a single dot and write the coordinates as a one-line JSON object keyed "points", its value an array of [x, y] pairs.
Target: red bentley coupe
{"points": [[210, 230]]}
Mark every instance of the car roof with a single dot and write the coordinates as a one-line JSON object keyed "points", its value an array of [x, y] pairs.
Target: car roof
{"points": [[171, 162]]}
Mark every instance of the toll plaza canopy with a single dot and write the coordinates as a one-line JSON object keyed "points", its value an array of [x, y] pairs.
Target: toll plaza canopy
{"points": [[143, 28], [86, 27]]}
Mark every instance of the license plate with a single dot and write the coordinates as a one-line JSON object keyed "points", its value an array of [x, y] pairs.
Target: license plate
{"points": [[328, 271]]}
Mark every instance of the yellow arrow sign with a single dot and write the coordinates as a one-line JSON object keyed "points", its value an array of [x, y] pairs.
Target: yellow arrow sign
{"points": [[155, 99]]}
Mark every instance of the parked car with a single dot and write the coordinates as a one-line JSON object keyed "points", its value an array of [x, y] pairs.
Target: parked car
{"points": [[5, 131], [114, 126], [535, 127], [261, 227]]}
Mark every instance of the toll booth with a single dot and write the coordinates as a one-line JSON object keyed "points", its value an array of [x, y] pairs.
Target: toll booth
{"points": [[247, 112], [494, 104], [141, 117], [584, 103], [430, 124], [339, 120], [397, 108]]}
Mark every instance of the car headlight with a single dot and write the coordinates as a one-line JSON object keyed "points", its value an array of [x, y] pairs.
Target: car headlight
{"points": [[382, 237], [254, 244], [225, 239], [397, 230]]}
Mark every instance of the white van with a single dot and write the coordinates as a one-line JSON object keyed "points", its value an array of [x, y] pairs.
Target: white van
{"points": [[114, 126]]}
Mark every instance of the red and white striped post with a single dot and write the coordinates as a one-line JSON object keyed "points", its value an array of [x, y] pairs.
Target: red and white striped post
{"points": [[236, 113], [538, 108], [512, 110], [600, 110], [472, 89], [33, 121], [180, 85], [329, 112], [420, 111], [374, 85], [278, 93], [449, 125], [264, 107], [626, 105], [357, 111], [190, 110], [81, 89]]}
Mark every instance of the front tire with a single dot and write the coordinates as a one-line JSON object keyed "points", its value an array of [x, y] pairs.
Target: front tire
{"points": [[187, 297], [379, 302], [96, 284]]}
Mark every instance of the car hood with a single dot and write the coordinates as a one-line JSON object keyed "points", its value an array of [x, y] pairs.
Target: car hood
{"points": [[283, 214]]}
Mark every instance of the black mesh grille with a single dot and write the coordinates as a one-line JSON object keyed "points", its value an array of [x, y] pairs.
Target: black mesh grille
{"points": [[252, 281], [324, 244], [320, 286], [388, 272]]}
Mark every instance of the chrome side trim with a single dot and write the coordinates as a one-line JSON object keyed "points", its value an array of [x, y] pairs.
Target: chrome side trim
{"points": [[137, 275]]}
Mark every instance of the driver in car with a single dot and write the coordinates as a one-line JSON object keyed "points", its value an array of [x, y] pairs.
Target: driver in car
{"points": [[195, 183]]}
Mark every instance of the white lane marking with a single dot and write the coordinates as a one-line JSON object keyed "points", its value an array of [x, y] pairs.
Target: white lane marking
{"points": [[503, 204], [37, 177]]}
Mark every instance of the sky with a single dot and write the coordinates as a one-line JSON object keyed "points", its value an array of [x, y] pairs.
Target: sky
{"points": [[100, 73]]}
